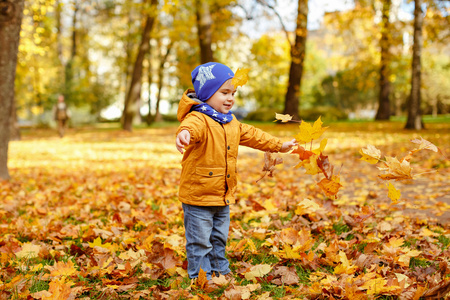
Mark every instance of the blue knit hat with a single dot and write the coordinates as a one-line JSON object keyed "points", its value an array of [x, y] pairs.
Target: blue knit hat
{"points": [[208, 78]]}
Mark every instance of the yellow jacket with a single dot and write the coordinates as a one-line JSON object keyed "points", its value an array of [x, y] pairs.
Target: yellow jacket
{"points": [[208, 176]]}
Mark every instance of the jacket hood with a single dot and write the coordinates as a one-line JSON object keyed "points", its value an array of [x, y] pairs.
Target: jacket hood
{"points": [[188, 100]]}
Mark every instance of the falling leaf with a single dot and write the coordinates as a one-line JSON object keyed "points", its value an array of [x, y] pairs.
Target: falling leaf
{"points": [[396, 170], [302, 153], [330, 187], [320, 150], [240, 77], [370, 154], [283, 118], [269, 164], [310, 165], [424, 144], [393, 193], [309, 133]]}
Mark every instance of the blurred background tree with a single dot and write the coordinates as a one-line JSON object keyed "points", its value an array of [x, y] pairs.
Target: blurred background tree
{"points": [[356, 61]]}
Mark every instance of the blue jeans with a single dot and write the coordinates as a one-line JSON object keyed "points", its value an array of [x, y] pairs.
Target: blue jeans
{"points": [[206, 231]]}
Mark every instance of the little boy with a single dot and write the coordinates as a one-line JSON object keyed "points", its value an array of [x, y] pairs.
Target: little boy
{"points": [[211, 135]]}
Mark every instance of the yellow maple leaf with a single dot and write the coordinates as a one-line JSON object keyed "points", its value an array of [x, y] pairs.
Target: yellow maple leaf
{"points": [[370, 154], [344, 267], [307, 206], [240, 77], [289, 253], [378, 286], [304, 242], [393, 193], [317, 129], [404, 259], [310, 132], [29, 250], [63, 269], [282, 118], [395, 242], [257, 271], [323, 144], [98, 243], [59, 289], [252, 246], [310, 165]]}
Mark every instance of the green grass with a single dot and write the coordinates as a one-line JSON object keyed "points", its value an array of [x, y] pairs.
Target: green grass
{"points": [[444, 241]]}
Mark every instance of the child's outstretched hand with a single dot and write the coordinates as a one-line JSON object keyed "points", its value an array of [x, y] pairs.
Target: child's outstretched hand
{"points": [[183, 139], [287, 146]]}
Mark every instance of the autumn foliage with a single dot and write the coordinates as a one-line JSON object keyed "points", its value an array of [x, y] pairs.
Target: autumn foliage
{"points": [[95, 216]]}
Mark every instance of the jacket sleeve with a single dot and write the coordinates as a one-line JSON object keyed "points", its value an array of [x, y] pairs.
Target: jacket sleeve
{"points": [[195, 125], [258, 139]]}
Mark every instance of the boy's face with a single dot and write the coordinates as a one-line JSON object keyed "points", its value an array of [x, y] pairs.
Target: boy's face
{"points": [[223, 99]]}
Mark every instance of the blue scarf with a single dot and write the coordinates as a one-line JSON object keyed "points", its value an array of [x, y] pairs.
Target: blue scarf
{"points": [[212, 113]]}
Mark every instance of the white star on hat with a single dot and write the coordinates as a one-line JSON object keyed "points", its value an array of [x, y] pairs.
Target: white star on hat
{"points": [[204, 74]]}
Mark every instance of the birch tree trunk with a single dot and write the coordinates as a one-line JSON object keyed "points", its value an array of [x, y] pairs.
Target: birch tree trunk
{"points": [[11, 13]]}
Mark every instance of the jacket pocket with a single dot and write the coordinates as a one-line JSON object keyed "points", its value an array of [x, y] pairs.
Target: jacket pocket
{"points": [[210, 171], [209, 181]]}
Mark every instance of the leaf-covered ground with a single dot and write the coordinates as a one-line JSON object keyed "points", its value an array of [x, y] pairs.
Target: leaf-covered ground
{"points": [[95, 215]]}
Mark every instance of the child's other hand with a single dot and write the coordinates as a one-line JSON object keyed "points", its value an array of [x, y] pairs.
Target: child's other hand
{"points": [[183, 139], [287, 146]]}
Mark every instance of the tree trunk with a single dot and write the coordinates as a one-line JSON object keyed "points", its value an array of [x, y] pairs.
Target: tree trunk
{"points": [[135, 84], [158, 116], [384, 105], [10, 21], [414, 120], [204, 23], [59, 47], [149, 119], [14, 126], [69, 69], [298, 51]]}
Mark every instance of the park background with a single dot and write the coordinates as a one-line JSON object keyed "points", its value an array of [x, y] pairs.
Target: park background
{"points": [[95, 215], [344, 62]]}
